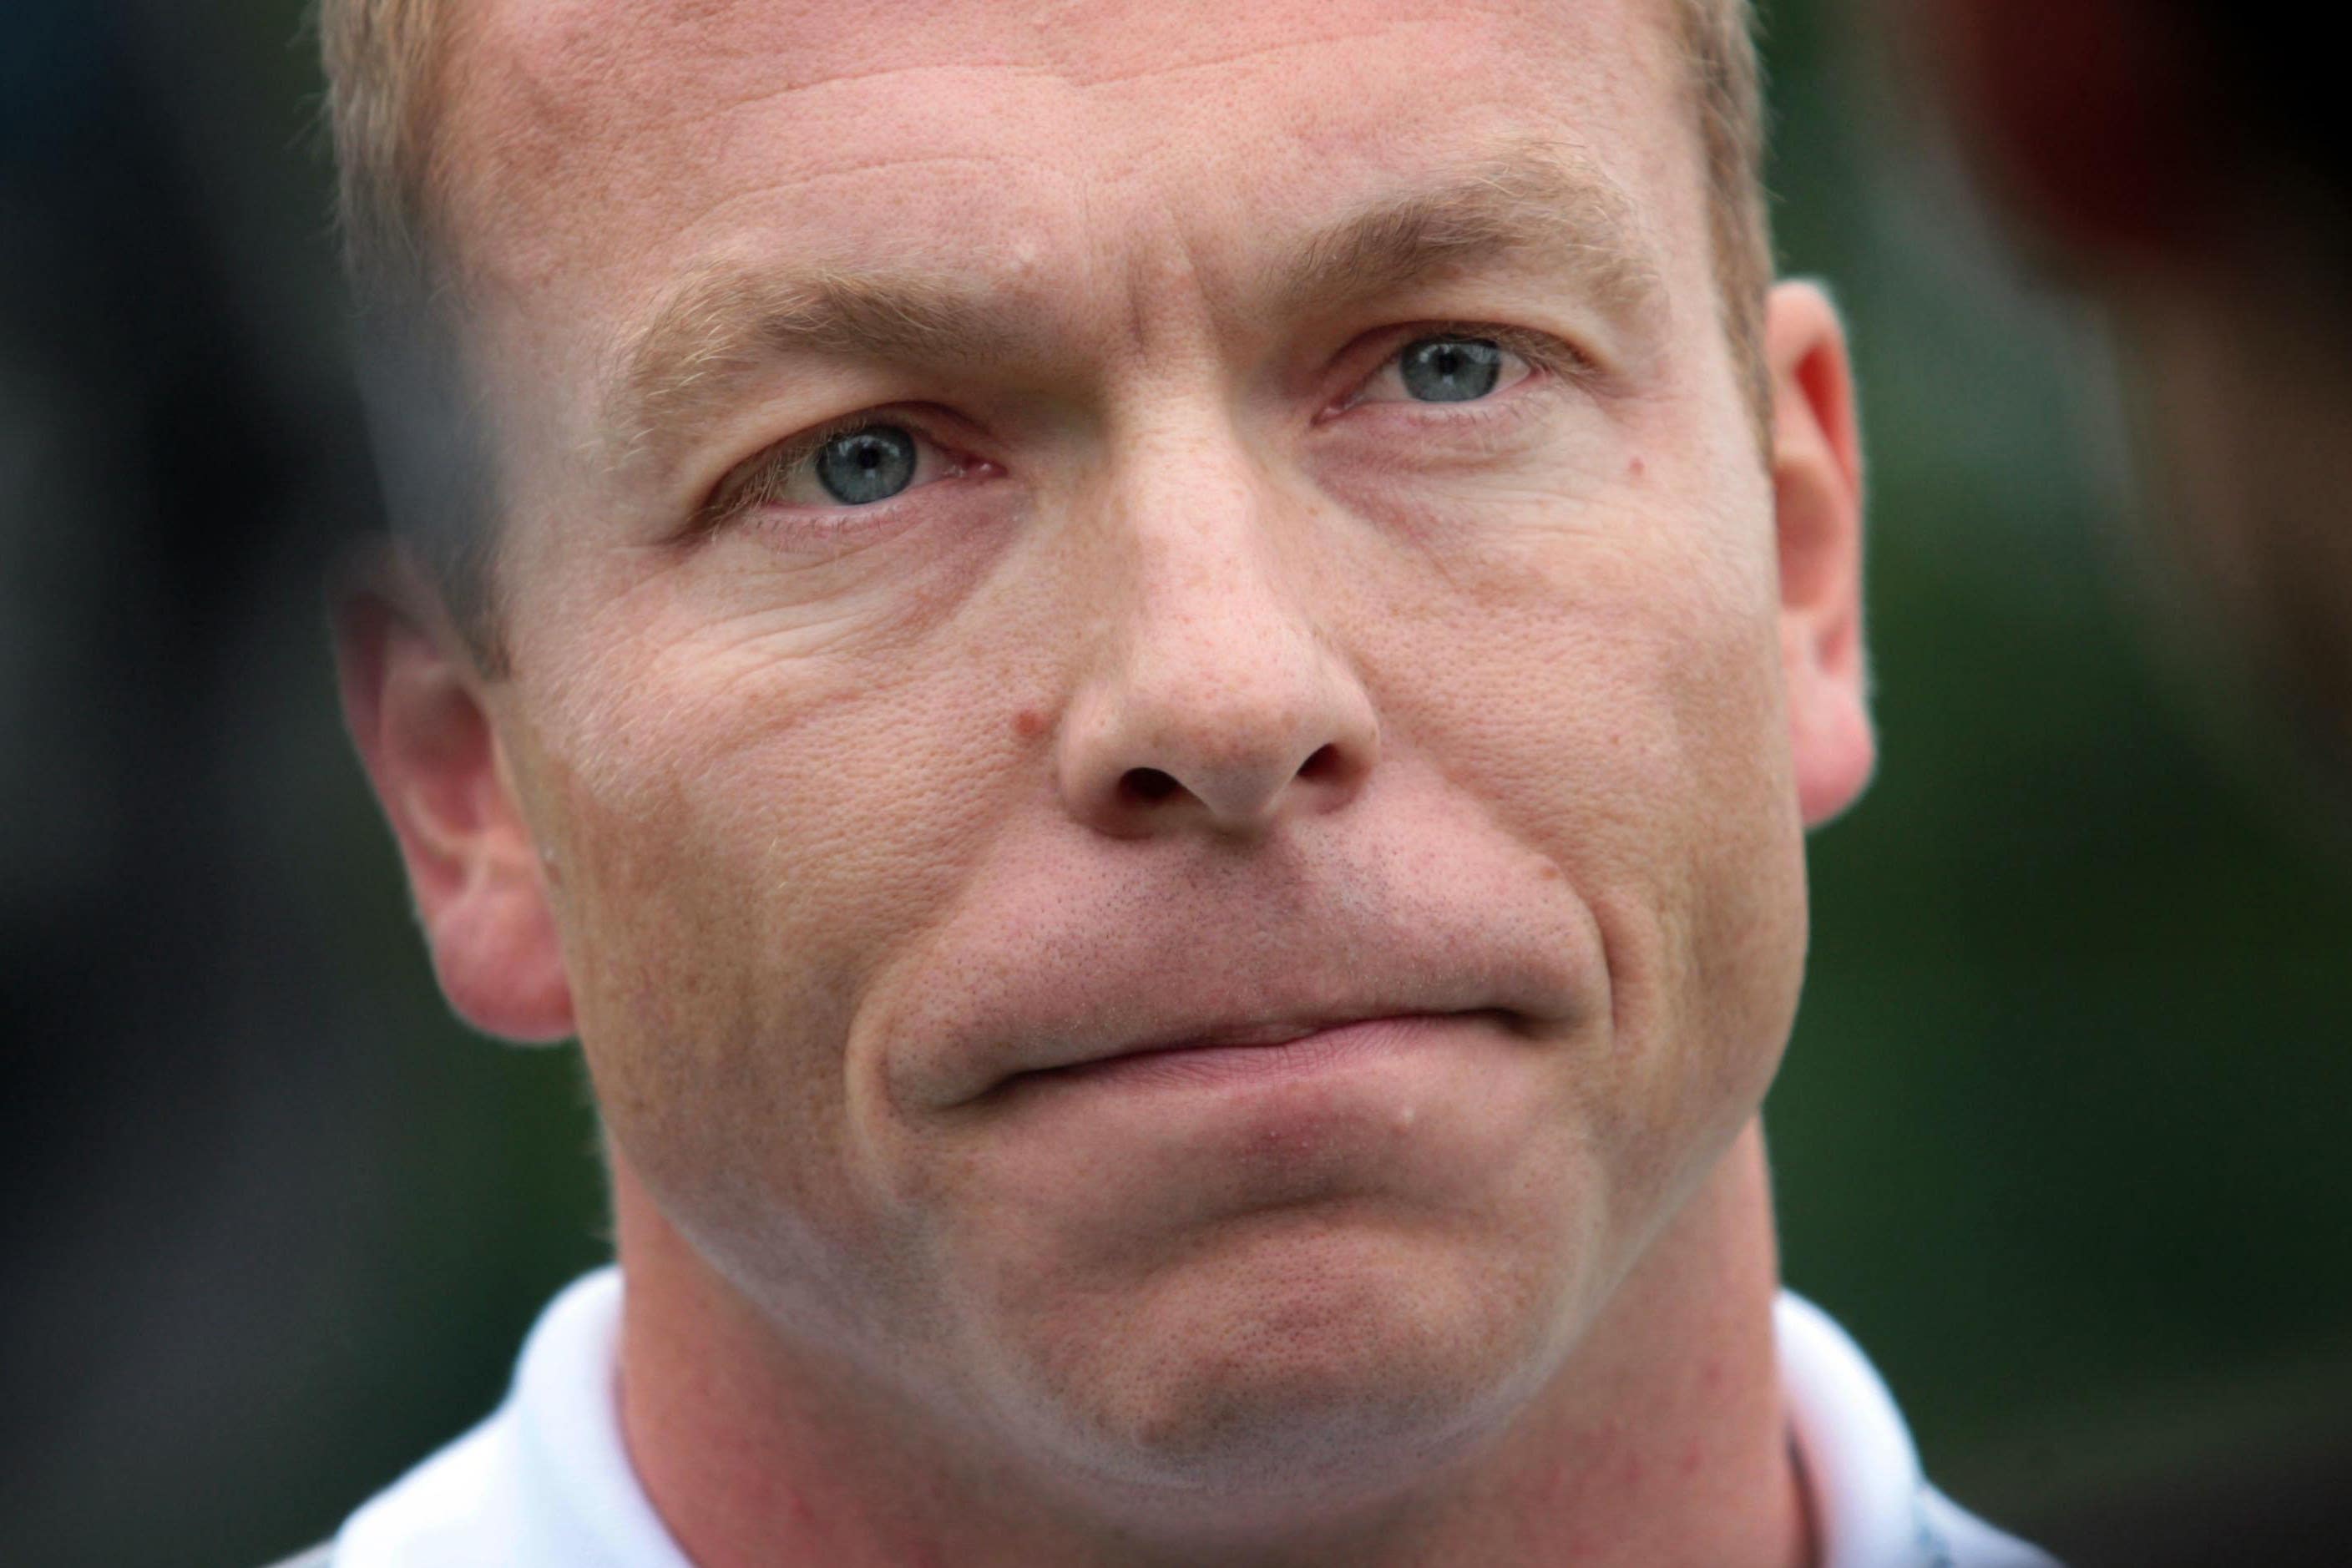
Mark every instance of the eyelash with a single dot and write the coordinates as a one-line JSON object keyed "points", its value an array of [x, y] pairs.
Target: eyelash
{"points": [[1541, 351], [1550, 361], [760, 479]]}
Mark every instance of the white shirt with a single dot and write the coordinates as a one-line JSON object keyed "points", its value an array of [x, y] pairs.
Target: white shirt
{"points": [[546, 1483]]}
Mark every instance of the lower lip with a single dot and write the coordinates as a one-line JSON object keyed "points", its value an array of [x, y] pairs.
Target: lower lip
{"points": [[1208, 1067]]}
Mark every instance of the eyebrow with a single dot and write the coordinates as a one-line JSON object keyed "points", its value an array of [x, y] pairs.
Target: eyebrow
{"points": [[1543, 199], [727, 323]]}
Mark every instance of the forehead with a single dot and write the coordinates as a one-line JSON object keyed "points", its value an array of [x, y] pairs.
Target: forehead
{"points": [[614, 143]]}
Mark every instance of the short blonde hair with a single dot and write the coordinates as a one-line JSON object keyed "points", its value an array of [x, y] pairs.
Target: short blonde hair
{"points": [[1718, 40], [388, 64], [383, 62]]}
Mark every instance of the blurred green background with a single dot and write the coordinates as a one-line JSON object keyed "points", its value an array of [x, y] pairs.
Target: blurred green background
{"points": [[2059, 1137]]}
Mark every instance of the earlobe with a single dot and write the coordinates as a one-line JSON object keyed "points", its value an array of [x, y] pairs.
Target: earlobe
{"points": [[1817, 515], [415, 708]]}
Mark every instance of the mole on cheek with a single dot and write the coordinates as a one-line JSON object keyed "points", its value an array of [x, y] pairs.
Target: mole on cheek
{"points": [[1028, 723]]}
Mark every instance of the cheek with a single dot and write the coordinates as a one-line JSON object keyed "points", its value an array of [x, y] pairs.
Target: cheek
{"points": [[741, 835], [1609, 687]]}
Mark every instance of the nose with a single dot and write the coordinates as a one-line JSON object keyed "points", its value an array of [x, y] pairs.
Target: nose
{"points": [[1215, 701]]}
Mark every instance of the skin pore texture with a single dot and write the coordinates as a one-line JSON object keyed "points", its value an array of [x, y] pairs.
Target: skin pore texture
{"points": [[1203, 679]]}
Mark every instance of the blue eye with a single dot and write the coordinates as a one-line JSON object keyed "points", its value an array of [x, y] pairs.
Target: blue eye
{"points": [[859, 467], [1450, 369]]}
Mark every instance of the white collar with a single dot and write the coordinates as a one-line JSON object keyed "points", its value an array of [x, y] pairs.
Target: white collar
{"points": [[1873, 1507], [546, 1481]]}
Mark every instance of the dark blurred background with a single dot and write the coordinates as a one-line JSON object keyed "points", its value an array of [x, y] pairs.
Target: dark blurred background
{"points": [[2060, 1139]]}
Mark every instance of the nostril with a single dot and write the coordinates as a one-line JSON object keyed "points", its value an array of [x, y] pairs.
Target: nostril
{"points": [[1323, 764], [1146, 785]]}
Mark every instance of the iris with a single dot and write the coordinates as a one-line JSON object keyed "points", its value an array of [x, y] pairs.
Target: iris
{"points": [[863, 466], [1450, 369]]}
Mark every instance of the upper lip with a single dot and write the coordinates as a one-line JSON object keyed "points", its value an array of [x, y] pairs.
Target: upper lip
{"points": [[1263, 1031], [1038, 978], [1002, 1048]]}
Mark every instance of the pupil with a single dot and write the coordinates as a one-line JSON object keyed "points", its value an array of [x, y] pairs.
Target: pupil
{"points": [[1451, 370], [866, 466]]}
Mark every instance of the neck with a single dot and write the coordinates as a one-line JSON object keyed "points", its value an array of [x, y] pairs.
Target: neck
{"points": [[1660, 1440]]}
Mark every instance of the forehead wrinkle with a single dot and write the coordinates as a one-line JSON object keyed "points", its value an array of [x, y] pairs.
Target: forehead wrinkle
{"points": [[1544, 198]]}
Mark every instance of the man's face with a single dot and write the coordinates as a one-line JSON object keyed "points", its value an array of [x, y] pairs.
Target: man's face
{"points": [[1034, 531]]}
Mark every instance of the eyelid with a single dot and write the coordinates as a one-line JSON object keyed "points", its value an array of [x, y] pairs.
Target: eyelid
{"points": [[1541, 351], [761, 477], [758, 477]]}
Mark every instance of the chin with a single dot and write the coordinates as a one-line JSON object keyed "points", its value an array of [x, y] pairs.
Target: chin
{"points": [[1324, 1371]]}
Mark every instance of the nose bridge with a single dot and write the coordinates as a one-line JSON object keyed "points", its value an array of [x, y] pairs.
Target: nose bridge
{"points": [[1196, 521], [1216, 699]]}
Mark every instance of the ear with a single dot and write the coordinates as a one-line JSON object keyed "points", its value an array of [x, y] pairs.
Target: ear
{"points": [[416, 707], [1817, 510]]}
